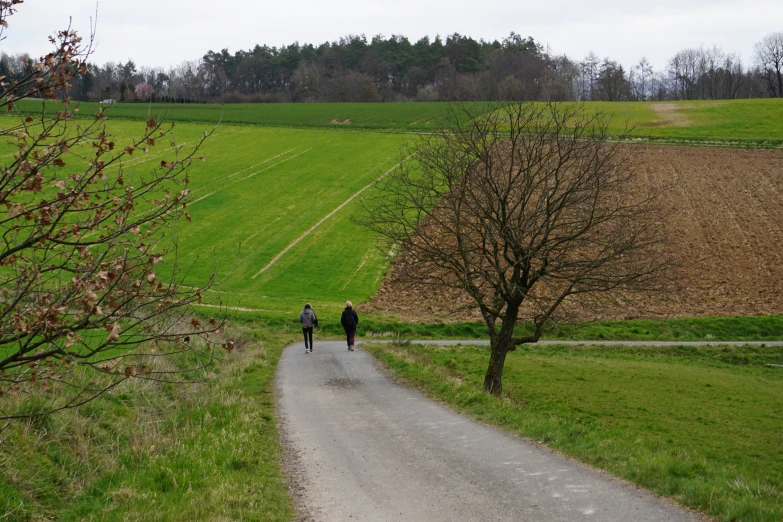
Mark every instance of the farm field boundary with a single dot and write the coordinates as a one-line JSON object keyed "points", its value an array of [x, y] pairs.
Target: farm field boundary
{"points": [[262, 189]]}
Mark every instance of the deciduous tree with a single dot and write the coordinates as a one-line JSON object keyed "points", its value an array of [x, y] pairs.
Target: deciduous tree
{"points": [[769, 55], [144, 91], [521, 206]]}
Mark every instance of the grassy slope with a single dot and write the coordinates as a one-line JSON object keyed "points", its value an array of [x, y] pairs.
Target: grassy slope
{"points": [[702, 427], [263, 188], [732, 121], [157, 452], [317, 172]]}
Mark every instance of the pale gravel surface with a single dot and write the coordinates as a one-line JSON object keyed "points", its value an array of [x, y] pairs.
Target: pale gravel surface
{"points": [[360, 447]]}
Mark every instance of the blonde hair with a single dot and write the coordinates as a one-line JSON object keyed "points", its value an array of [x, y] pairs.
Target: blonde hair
{"points": [[349, 304]]}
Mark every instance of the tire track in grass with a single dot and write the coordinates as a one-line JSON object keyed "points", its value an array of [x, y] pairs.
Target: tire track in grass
{"points": [[361, 265], [251, 237], [261, 163], [243, 170], [330, 214], [257, 172], [235, 308], [139, 160]]}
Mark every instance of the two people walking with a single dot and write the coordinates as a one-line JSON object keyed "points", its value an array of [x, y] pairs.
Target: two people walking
{"points": [[349, 320]]}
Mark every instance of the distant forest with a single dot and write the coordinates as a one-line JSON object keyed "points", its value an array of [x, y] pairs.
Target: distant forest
{"points": [[355, 69]]}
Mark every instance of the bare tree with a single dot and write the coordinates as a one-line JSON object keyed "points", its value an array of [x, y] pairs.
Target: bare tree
{"points": [[685, 71], [642, 79], [730, 76], [769, 55], [612, 83], [308, 78], [521, 206], [590, 69], [89, 292]]}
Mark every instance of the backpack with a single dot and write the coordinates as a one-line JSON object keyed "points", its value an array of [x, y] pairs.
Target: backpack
{"points": [[308, 318], [349, 320]]}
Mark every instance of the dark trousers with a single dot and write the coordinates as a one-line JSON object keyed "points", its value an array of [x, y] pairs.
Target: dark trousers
{"points": [[308, 332], [350, 333]]}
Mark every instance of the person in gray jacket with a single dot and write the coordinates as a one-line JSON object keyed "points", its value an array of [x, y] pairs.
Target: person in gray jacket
{"points": [[309, 321]]}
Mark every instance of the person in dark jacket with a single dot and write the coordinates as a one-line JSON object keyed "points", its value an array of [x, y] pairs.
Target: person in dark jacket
{"points": [[350, 321], [309, 321]]}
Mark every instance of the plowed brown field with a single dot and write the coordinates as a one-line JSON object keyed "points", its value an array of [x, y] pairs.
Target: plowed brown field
{"points": [[725, 231]]}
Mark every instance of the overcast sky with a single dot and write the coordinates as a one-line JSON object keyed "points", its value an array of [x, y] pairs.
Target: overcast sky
{"points": [[163, 33]]}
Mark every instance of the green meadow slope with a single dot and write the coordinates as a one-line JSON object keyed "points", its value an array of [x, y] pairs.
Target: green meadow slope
{"points": [[272, 207], [271, 212]]}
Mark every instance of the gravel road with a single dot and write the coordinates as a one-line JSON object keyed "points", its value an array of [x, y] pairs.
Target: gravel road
{"points": [[360, 447], [605, 343]]}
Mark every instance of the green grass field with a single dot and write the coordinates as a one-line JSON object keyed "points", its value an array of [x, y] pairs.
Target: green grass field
{"points": [[726, 122], [261, 191], [400, 117], [273, 195], [700, 426], [720, 122], [284, 196]]}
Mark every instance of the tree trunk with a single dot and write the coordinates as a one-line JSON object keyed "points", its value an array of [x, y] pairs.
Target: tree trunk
{"points": [[493, 380]]}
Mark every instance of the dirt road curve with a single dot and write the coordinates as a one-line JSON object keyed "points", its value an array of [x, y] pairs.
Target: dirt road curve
{"points": [[360, 447]]}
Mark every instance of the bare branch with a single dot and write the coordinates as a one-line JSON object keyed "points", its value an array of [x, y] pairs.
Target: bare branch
{"points": [[89, 284]]}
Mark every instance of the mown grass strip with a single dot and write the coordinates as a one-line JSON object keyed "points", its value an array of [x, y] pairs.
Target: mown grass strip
{"points": [[700, 427]]}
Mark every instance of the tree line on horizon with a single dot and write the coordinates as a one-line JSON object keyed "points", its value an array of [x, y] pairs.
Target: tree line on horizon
{"points": [[355, 69]]}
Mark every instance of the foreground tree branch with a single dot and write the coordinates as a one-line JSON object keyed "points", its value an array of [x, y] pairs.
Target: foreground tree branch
{"points": [[520, 206], [89, 285]]}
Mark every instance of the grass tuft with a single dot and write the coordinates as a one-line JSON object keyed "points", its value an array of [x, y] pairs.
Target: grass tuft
{"points": [[156, 451]]}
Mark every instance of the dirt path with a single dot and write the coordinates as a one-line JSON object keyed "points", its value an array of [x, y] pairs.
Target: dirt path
{"points": [[359, 447]]}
